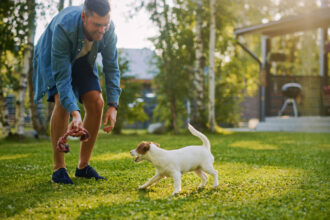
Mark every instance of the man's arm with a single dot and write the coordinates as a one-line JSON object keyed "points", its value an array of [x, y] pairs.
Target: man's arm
{"points": [[112, 78], [111, 67], [62, 73], [61, 69]]}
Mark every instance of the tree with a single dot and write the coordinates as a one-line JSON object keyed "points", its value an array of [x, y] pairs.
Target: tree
{"points": [[13, 38], [27, 54], [173, 50], [61, 5], [211, 69], [199, 110], [7, 43]]}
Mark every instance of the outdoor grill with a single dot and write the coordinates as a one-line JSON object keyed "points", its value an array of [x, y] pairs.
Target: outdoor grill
{"points": [[290, 92]]}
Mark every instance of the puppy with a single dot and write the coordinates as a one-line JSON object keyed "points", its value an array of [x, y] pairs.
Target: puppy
{"points": [[174, 163]]}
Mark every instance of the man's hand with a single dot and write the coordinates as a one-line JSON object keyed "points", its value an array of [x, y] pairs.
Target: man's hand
{"points": [[110, 116], [76, 123]]}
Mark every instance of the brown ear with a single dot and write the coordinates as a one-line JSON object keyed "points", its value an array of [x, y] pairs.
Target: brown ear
{"points": [[143, 147], [158, 145]]}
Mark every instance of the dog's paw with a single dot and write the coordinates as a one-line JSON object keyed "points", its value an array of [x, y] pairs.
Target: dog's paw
{"points": [[200, 187], [215, 186], [175, 193]]}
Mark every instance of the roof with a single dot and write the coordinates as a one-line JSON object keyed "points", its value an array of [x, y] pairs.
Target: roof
{"points": [[141, 63], [311, 20]]}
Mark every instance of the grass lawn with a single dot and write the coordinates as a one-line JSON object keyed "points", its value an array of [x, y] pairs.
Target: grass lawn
{"points": [[261, 176]]}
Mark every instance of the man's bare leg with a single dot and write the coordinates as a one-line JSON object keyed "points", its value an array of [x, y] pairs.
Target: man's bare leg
{"points": [[93, 103], [58, 126]]}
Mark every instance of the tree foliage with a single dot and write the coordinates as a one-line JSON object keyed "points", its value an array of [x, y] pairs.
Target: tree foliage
{"points": [[14, 28], [14, 20]]}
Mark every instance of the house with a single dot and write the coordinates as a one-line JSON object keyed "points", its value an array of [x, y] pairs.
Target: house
{"points": [[315, 105]]}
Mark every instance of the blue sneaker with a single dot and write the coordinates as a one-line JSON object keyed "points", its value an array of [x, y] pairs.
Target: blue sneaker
{"points": [[61, 176], [88, 172]]}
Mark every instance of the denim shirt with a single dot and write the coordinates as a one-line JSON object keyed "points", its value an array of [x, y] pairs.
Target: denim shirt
{"points": [[57, 50]]}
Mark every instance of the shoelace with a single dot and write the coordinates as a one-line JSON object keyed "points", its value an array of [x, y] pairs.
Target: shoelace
{"points": [[62, 145]]}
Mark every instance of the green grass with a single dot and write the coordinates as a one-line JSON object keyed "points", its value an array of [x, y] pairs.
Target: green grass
{"points": [[261, 176]]}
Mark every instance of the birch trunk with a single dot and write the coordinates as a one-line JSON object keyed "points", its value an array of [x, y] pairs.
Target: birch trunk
{"points": [[20, 113], [39, 125], [26, 66], [199, 73], [211, 69], [4, 115]]}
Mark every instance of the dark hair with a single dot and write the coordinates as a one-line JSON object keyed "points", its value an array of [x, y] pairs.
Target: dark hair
{"points": [[100, 7]]}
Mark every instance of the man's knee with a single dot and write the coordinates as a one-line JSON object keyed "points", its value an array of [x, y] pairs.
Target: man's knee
{"points": [[58, 108], [99, 103], [94, 102]]}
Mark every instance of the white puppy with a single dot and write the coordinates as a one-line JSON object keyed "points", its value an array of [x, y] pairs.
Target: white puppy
{"points": [[174, 163]]}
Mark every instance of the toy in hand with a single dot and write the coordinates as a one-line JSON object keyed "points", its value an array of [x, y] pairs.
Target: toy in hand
{"points": [[62, 145]]}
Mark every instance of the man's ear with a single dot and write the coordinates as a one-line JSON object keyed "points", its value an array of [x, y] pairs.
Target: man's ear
{"points": [[83, 16]]}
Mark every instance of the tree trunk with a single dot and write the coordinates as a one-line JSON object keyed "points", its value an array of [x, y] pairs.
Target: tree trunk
{"points": [[168, 46], [37, 123], [197, 119], [4, 115], [26, 66], [3, 107], [60, 5], [211, 69], [20, 103]]}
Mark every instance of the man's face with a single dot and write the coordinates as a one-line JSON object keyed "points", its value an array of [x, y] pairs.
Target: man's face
{"points": [[95, 26]]}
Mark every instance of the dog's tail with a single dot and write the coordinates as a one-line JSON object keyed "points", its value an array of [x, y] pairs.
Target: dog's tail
{"points": [[201, 136]]}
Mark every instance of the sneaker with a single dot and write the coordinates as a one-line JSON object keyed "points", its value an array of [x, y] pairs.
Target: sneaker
{"points": [[61, 176], [88, 172]]}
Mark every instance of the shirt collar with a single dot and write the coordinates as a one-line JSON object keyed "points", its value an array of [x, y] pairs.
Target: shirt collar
{"points": [[81, 36]]}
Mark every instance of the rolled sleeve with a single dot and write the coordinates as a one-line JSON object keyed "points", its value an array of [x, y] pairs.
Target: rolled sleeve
{"points": [[111, 68], [61, 69]]}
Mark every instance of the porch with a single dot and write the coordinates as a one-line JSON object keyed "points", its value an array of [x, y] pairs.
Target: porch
{"points": [[267, 103]]}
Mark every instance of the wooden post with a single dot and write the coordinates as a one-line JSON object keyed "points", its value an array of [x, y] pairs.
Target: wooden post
{"points": [[323, 65], [323, 54], [264, 75]]}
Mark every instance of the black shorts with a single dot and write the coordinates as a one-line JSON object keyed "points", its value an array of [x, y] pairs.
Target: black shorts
{"points": [[83, 80]]}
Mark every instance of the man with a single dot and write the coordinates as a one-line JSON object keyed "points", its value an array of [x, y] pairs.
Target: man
{"points": [[64, 67]]}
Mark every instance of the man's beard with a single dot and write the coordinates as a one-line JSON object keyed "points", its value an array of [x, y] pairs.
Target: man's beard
{"points": [[88, 36]]}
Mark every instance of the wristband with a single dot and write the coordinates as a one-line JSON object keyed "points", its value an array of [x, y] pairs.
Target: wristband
{"points": [[113, 104]]}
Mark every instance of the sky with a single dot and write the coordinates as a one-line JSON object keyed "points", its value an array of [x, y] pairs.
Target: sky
{"points": [[132, 32]]}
